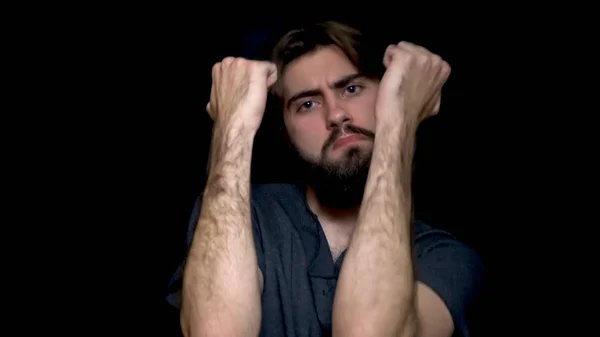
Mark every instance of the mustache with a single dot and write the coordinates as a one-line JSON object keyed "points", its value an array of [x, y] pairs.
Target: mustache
{"points": [[346, 129]]}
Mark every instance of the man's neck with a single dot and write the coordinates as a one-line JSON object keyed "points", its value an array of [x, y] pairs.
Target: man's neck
{"points": [[343, 219]]}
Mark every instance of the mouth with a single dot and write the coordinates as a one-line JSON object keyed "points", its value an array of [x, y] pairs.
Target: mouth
{"points": [[346, 140]]}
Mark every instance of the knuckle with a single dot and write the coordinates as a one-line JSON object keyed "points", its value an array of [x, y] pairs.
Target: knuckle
{"points": [[392, 49], [397, 53], [436, 59], [250, 66], [446, 65], [421, 59], [410, 57], [446, 68], [238, 61]]}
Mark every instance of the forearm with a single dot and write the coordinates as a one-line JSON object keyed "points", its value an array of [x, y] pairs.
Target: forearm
{"points": [[221, 289], [375, 294]]}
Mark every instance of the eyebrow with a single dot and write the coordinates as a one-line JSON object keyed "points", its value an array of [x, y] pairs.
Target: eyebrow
{"points": [[339, 84]]}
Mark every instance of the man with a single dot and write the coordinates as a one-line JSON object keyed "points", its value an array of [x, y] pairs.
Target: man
{"points": [[339, 255]]}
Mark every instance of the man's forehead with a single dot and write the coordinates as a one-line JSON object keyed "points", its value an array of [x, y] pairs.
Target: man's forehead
{"points": [[321, 68], [319, 84]]}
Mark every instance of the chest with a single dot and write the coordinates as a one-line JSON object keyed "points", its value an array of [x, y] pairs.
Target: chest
{"points": [[337, 237]]}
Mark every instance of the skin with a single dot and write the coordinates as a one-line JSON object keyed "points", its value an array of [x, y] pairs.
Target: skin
{"points": [[222, 282], [309, 121], [376, 293]]}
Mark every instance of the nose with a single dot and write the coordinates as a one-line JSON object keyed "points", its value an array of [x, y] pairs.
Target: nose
{"points": [[337, 114]]}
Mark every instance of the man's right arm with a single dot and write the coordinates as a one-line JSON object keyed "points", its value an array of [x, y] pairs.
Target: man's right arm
{"points": [[222, 282]]}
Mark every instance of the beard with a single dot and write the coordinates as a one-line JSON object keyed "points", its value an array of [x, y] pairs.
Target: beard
{"points": [[339, 184]]}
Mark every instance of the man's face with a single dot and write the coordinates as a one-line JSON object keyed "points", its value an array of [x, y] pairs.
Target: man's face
{"points": [[329, 109], [329, 114]]}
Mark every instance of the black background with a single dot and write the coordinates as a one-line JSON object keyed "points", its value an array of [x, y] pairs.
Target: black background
{"points": [[470, 173]]}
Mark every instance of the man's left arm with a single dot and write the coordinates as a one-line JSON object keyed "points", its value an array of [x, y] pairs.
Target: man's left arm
{"points": [[377, 292], [387, 286]]}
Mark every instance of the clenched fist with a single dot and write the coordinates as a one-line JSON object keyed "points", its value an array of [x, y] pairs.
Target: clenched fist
{"points": [[411, 85], [239, 92]]}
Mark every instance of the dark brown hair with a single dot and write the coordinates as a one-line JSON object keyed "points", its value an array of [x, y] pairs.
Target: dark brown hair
{"points": [[301, 41]]}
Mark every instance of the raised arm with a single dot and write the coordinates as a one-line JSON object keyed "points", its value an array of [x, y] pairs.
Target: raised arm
{"points": [[222, 283], [376, 293]]}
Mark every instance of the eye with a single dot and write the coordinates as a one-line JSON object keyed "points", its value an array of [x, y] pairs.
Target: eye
{"points": [[353, 89], [306, 106]]}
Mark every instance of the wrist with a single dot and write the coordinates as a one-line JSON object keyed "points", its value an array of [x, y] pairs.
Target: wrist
{"points": [[230, 145], [229, 131], [395, 139], [396, 123]]}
